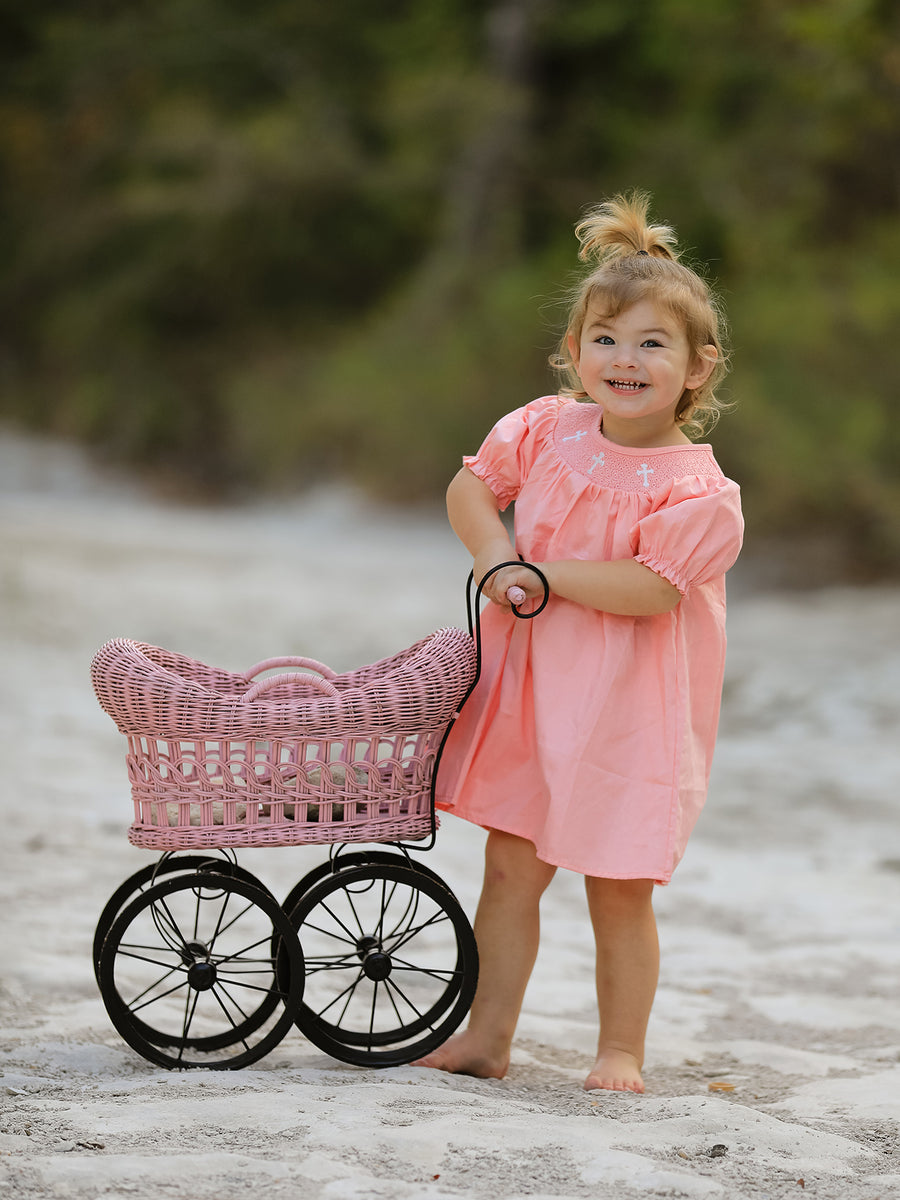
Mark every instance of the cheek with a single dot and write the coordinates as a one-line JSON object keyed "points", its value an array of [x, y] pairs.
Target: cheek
{"points": [[591, 356]]}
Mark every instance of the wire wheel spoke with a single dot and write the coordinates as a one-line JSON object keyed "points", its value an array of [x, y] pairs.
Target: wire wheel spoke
{"points": [[373, 1012], [190, 1007], [221, 929], [329, 933], [167, 926], [241, 955], [415, 930], [135, 1004], [445, 976], [273, 989], [352, 938], [391, 988], [221, 990], [129, 952], [335, 962], [248, 966], [347, 995], [235, 1025]]}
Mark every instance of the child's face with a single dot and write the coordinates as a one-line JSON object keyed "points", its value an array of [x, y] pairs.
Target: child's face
{"points": [[636, 366]]}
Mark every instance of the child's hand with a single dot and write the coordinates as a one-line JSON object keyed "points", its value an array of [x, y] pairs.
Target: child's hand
{"points": [[499, 585], [520, 593]]}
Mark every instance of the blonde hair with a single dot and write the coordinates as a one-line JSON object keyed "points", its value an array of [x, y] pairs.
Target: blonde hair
{"points": [[636, 261]]}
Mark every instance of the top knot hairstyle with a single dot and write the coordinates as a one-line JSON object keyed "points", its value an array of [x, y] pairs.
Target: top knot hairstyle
{"points": [[635, 260]]}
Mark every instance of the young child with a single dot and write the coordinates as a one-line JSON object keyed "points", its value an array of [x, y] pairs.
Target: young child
{"points": [[587, 742]]}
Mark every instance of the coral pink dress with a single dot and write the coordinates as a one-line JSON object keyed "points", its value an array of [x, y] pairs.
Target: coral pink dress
{"points": [[589, 734]]}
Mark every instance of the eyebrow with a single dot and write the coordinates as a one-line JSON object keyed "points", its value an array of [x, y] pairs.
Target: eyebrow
{"points": [[603, 323]]}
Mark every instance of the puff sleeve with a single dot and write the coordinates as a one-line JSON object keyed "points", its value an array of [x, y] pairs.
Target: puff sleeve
{"points": [[509, 450], [695, 535]]}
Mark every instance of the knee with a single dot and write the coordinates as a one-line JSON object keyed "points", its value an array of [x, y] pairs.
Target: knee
{"points": [[511, 861], [619, 895]]}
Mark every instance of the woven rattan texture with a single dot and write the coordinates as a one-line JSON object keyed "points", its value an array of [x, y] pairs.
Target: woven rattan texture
{"points": [[209, 768]]}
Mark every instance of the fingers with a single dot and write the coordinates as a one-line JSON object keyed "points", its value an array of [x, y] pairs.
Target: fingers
{"points": [[512, 585], [496, 586], [516, 577]]}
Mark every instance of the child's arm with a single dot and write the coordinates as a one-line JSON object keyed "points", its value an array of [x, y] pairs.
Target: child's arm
{"points": [[625, 587], [474, 513]]}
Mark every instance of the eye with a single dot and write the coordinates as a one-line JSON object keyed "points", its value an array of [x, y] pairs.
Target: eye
{"points": [[604, 340], [652, 343]]}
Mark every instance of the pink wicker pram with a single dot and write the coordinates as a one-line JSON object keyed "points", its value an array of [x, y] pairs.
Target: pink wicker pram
{"points": [[370, 954], [217, 759]]}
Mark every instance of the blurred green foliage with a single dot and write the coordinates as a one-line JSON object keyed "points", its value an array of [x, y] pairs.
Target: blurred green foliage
{"points": [[249, 246]]}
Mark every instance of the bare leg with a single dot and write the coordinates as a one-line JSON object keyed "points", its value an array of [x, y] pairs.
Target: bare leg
{"points": [[627, 971], [507, 929]]}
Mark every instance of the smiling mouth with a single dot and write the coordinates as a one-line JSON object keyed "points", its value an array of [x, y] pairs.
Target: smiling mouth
{"points": [[625, 385]]}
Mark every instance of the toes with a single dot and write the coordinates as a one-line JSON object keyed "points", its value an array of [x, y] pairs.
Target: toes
{"points": [[430, 1060], [600, 1083]]}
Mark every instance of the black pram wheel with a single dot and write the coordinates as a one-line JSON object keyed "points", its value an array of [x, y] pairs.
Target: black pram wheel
{"points": [[391, 963], [188, 976], [185, 864]]}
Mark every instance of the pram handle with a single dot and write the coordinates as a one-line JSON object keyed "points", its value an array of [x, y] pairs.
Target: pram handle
{"points": [[472, 605], [268, 664], [289, 660], [515, 595]]}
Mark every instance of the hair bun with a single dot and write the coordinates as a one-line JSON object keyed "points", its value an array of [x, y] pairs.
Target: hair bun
{"points": [[621, 226]]}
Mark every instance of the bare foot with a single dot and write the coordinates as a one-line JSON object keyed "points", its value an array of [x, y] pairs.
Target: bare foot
{"points": [[465, 1054], [615, 1071]]}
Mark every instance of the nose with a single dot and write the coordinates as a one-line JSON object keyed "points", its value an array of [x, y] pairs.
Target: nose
{"points": [[625, 356]]}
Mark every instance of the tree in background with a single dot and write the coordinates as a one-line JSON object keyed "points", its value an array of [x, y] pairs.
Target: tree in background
{"points": [[253, 245]]}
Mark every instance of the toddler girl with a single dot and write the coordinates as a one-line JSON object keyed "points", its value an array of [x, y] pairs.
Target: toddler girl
{"points": [[587, 742]]}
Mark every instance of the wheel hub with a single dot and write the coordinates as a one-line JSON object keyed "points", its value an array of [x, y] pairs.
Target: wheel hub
{"points": [[191, 952], [201, 976], [376, 964], [201, 972]]}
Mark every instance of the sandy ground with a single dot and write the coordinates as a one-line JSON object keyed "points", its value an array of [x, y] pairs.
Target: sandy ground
{"points": [[780, 932]]}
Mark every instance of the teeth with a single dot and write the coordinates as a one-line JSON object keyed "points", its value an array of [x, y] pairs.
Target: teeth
{"points": [[626, 383]]}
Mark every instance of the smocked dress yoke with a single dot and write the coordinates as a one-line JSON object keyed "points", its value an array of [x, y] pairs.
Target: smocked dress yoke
{"points": [[592, 734]]}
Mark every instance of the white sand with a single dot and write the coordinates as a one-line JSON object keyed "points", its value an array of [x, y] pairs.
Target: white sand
{"points": [[780, 931]]}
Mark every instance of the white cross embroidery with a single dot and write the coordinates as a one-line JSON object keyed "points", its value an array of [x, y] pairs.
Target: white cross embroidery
{"points": [[597, 461], [646, 472], [576, 437]]}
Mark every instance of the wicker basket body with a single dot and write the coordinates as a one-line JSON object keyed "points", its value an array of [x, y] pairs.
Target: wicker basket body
{"points": [[217, 759]]}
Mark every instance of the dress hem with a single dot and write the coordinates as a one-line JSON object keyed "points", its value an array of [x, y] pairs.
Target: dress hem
{"points": [[660, 880]]}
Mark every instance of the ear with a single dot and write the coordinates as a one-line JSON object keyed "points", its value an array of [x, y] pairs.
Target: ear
{"points": [[574, 349], [702, 367]]}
